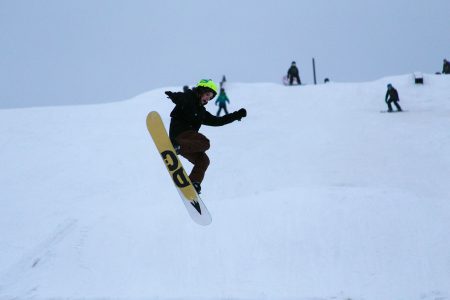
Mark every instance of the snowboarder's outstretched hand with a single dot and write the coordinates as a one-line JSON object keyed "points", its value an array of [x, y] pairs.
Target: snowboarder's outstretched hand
{"points": [[242, 113], [175, 97]]}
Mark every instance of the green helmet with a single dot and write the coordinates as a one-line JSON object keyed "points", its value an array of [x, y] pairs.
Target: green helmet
{"points": [[208, 84]]}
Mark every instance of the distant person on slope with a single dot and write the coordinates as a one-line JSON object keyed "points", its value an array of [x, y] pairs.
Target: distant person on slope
{"points": [[392, 97], [223, 82], [222, 100], [187, 117], [446, 67], [293, 74]]}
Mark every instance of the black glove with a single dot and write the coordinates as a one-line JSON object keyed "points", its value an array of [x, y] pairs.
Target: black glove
{"points": [[242, 113], [169, 94]]}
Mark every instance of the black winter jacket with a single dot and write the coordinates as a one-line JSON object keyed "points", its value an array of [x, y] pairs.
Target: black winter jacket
{"points": [[189, 114], [392, 95], [293, 71]]}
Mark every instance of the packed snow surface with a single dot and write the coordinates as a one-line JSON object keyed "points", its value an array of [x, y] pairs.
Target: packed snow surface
{"points": [[315, 195]]}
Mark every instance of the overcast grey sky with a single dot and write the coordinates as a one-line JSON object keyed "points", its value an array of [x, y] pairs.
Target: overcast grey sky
{"points": [[55, 52]]}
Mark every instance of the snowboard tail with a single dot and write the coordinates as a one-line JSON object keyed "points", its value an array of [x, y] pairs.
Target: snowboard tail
{"points": [[192, 201], [393, 111]]}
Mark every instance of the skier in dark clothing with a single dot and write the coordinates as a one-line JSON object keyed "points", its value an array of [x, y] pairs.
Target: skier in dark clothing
{"points": [[187, 117], [222, 100], [223, 82], [293, 74], [392, 96], [446, 67]]}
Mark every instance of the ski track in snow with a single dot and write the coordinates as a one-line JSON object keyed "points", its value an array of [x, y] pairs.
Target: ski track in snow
{"points": [[34, 259]]}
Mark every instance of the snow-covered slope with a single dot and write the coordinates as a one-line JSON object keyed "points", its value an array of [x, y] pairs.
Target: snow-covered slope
{"points": [[315, 195]]}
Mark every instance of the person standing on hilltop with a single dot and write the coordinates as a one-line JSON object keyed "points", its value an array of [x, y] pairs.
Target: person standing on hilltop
{"points": [[222, 100], [293, 74], [223, 82], [392, 97]]}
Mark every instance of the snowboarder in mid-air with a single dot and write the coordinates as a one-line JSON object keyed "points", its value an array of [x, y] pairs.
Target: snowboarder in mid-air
{"points": [[187, 117], [392, 97]]}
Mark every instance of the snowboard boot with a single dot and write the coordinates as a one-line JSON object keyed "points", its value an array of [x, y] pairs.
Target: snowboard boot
{"points": [[197, 187]]}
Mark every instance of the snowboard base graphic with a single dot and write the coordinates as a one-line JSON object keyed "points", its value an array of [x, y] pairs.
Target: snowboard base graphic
{"points": [[191, 200]]}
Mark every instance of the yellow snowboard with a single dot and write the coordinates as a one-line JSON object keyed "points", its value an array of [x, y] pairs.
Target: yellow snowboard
{"points": [[194, 205]]}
